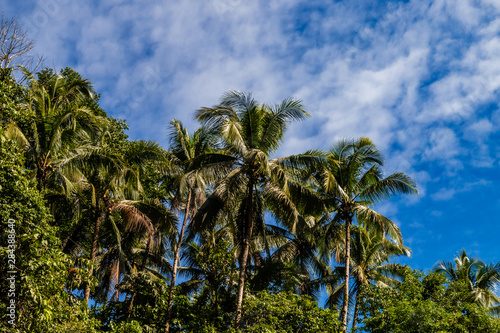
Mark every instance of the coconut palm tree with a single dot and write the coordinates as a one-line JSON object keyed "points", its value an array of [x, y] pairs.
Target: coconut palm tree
{"points": [[194, 164], [302, 249], [60, 125], [351, 178], [369, 264], [125, 229], [143, 250], [250, 132], [112, 179], [482, 280]]}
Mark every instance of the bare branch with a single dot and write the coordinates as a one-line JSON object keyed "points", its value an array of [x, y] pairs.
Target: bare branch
{"points": [[15, 46]]}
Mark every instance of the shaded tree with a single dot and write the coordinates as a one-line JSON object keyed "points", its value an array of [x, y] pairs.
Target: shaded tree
{"points": [[112, 179]]}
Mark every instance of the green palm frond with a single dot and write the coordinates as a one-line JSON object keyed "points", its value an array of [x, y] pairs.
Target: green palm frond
{"points": [[139, 152], [311, 161], [280, 205], [397, 183], [482, 280], [14, 133], [366, 216], [369, 264], [276, 121], [332, 186]]}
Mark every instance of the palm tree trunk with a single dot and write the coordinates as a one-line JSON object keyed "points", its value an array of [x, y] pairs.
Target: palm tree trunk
{"points": [[93, 250], [176, 262], [131, 305], [244, 254], [356, 310], [115, 274], [41, 176], [345, 304], [116, 293]]}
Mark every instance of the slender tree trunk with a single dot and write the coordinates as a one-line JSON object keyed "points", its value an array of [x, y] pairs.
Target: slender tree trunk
{"points": [[244, 255], [93, 250], [116, 294], [303, 287], [131, 305], [356, 310], [176, 262], [115, 274], [41, 176], [257, 259], [345, 304]]}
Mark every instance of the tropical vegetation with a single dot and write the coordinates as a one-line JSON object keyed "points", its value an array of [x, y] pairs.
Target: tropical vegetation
{"points": [[213, 233]]}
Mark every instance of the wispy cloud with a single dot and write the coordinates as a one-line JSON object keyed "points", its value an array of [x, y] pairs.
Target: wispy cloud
{"points": [[360, 68], [448, 193]]}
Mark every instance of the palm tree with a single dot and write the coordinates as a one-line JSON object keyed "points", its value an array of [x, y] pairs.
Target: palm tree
{"points": [[112, 177], [210, 263], [250, 132], [126, 229], [60, 125], [369, 264], [144, 252], [194, 164], [482, 280], [302, 249], [351, 178]]}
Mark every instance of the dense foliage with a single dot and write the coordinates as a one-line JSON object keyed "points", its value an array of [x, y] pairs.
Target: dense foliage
{"points": [[210, 234], [287, 312], [424, 303], [43, 276]]}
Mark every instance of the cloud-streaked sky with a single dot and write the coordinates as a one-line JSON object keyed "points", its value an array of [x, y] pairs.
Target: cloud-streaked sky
{"points": [[420, 78]]}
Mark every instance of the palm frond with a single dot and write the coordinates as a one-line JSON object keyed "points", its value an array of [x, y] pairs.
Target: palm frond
{"points": [[366, 215], [397, 183]]}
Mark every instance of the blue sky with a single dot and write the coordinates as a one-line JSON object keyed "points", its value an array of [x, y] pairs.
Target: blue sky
{"points": [[420, 78]]}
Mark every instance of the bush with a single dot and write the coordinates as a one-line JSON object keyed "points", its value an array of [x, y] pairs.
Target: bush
{"points": [[287, 312]]}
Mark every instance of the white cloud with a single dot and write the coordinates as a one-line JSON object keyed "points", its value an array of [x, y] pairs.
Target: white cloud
{"points": [[436, 213], [411, 76], [493, 3], [479, 129], [445, 194], [443, 145], [416, 225]]}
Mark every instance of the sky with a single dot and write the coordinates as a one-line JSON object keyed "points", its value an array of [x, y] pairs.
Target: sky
{"points": [[420, 78]]}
